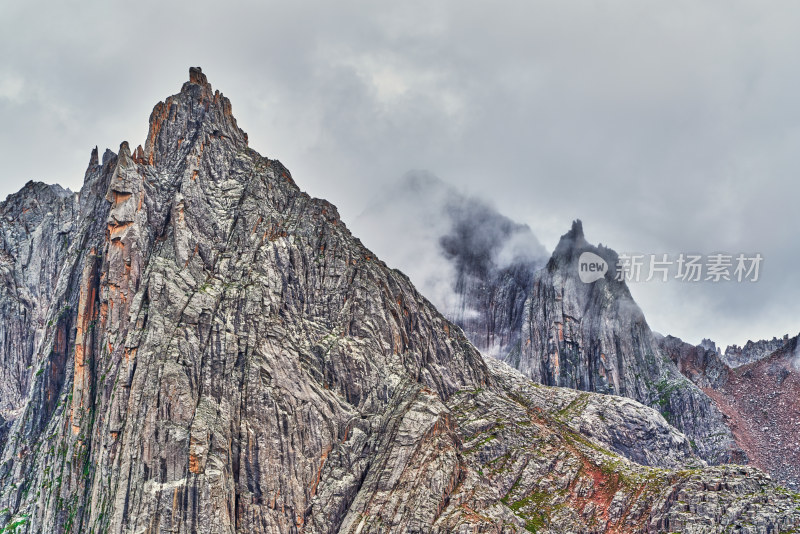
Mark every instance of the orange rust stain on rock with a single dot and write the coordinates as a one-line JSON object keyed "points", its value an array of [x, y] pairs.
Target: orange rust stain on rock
{"points": [[322, 461], [139, 205], [120, 197], [194, 175], [115, 229], [175, 499], [138, 155], [156, 122], [194, 464], [86, 314], [257, 223], [227, 108], [605, 486], [196, 248], [397, 342], [275, 232], [80, 363]]}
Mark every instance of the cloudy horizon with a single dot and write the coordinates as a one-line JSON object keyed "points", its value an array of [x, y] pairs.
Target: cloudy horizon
{"points": [[666, 129]]}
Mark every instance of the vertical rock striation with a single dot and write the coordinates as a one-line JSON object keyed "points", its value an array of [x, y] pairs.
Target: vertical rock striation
{"points": [[593, 337], [211, 350]]}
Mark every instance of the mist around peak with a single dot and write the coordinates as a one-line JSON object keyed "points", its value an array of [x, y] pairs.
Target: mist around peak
{"points": [[440, 235]]}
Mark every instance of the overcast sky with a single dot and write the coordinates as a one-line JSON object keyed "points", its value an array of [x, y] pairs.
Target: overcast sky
{"points": [[666, 127]]}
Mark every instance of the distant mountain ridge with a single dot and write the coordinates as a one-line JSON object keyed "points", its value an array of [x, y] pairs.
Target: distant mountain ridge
{"points": [[758, 398], [752, 351]]}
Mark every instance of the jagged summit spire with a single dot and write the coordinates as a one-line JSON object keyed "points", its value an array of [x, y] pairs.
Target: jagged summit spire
{"points": [[196, 76], [197, 79], [94, 159], [571, 241], [577, 229], [190, 120]]}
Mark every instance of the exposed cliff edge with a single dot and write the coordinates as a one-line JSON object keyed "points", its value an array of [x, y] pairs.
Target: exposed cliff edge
{"points": [[759, 398], [211, 350], [593, 337]]}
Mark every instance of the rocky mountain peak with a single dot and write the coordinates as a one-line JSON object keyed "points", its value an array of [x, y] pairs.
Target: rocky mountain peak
{"points": [[571, 242], [94, 159], [592, 336], [569, 249], [192, 344], [196, 76], [189, 121]]}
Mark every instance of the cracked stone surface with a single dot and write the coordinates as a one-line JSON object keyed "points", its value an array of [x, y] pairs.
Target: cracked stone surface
{"points": [[193, 344], [593, 337], [758, 398]]}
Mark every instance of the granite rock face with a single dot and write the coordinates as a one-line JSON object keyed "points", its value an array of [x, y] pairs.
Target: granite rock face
{"points": [[491, 306], [702, 364], [593, 337], [36, 226], [736, 356], [195, 345], [757, 398]]}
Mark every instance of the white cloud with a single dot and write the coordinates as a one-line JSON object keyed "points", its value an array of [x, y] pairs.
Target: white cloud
{"points": [[666, 127]]}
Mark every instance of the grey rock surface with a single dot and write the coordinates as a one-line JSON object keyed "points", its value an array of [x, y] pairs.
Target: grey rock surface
{"points": [[494, 261], [593, 337], [702, 364], [36, 226], [213, 351], [757, 398], [752, 351]]}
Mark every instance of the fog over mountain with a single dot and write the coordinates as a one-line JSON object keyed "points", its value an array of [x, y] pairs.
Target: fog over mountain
{"points": [[666, 128], [437, 235], [191, 343]]}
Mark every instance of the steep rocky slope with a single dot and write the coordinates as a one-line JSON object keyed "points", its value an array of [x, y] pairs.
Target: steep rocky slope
{"points": [[494, 260], [211, 350], [474, 263], [702, 364], [752, 351], [593, 337], [36, 224], [759, 399]]}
